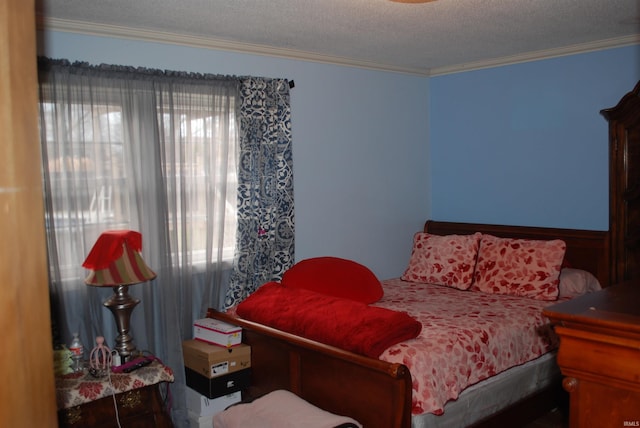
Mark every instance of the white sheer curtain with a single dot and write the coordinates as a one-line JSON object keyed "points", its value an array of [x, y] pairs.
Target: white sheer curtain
{"points": [[149, 151]]}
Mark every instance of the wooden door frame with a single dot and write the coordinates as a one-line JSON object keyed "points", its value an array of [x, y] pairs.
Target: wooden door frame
{"points": [[27, 394]]}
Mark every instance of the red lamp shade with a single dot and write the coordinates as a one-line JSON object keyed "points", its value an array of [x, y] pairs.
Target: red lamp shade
{"points": [[115, 260]]}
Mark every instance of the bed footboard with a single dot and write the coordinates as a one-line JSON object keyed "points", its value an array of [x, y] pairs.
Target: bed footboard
{"points": [[374, 392]]}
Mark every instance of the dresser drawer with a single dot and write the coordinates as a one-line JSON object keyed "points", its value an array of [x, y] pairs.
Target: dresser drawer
{"points": [[141, 407]]}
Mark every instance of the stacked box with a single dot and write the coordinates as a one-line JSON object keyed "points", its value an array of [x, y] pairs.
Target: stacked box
{"points": [[200, 406], [217, 332], [218, 386], [212, 361], [196, 421], [215, 371]]}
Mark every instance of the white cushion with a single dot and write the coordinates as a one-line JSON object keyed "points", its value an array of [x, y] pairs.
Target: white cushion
{"points": [[280, 409]]}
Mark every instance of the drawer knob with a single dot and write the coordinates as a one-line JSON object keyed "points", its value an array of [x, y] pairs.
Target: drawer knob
{"points": [[131, 400], [570, 384], [73, 415]]}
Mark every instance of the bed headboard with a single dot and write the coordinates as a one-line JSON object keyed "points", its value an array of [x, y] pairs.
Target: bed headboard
{"points": [[586, 249]]}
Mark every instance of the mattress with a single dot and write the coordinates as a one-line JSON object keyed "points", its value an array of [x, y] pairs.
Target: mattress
{"points": [[466, 337], [488, 397]]}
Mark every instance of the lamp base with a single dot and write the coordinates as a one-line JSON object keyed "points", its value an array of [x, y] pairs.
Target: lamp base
{"points": [[121, 304]]}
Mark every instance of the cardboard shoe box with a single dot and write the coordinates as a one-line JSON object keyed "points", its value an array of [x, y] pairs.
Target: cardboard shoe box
{"points": [[218, 386], [212, 360], [200, 406], [217, 332]]}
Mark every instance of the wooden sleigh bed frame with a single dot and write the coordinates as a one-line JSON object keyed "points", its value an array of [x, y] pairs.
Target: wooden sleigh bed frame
{"points": [[375, 392]]}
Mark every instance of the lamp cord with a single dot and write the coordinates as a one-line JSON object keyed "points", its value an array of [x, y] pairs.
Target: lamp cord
{"points": [[168, 398], [113, 395]]}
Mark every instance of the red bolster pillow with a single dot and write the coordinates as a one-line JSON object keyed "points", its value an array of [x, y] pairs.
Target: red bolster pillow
{"points": [[336, 277]]}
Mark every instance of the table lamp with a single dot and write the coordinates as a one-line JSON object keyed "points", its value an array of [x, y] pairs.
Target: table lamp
{"points": [[115, 261]]}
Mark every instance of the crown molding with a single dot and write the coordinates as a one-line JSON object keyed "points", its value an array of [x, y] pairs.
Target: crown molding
{"points": [[539, 55], [94, 29]]}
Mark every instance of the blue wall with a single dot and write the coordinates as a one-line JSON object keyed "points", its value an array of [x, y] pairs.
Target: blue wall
{"points": [[377, 153], [525, 144], [360, 143]]}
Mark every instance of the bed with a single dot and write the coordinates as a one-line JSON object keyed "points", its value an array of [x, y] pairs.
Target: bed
{"points": [[381, 392], [378, 393]]}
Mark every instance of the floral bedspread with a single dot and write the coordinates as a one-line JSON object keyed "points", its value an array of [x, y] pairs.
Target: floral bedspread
{"points": [[467, 336]]}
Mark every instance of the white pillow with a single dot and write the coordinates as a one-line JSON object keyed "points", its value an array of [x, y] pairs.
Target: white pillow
{"points": [[280, 409], [575, 282]]}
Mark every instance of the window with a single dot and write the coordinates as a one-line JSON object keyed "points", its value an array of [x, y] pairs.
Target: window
{"points": [[91, 187], [200, 180]]}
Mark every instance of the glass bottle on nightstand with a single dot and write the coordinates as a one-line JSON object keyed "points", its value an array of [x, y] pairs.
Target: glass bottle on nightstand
{"points": [[77, 353]]}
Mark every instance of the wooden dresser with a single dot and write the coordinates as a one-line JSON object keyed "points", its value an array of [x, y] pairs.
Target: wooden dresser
{"points": [[599, 355]]}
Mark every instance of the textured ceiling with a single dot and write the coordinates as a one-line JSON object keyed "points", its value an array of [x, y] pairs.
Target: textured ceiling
{"points": [[419, 38]]}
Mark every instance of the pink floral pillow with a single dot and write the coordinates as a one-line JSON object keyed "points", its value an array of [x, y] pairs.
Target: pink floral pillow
{"points": [[444, 260], [519, 267]]}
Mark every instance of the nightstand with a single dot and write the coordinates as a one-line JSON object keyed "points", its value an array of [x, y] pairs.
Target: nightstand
{"points": [[599, 355], [86, 401]]}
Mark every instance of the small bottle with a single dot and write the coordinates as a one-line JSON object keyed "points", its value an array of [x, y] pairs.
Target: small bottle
{"points": [[77, 353]]}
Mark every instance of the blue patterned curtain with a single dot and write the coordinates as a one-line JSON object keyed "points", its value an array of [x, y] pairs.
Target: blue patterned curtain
{"points": [[265, 237]]}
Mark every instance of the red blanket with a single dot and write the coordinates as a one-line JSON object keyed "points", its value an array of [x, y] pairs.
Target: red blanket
{"points": [[343, 323]]}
